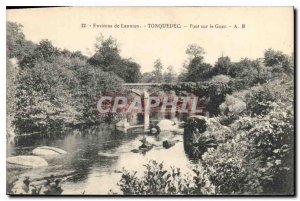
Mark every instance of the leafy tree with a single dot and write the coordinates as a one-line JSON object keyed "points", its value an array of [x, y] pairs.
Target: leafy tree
{"points": [[170, 76], [249, 72], [45, 100], [107, 53], [220, 78], [223, 65], [44, 51], [76, 54], [128, 70], [107, 58], [12, 71], [278, 60], [61, 92], [195, 69], [158, 71], [147, 77], [157, 75], [58, 88], [194, 50], [16, 44]]}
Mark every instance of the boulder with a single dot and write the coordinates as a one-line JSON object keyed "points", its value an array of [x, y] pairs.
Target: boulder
{"points": [[146, 146], [202, 133], [169, 143], [154, 130], [27, 161], [123, 123], [48, 151], [168, 125], [135, 151], [107, 155]]}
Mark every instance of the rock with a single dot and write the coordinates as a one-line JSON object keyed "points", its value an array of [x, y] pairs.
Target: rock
{"points": [[144, 147], [165, 135], [145, 144], [123, 123], [108, 155], [169, 143], [154, 130], [168, 125], [202, 133], [27, 161], [135, 151], [48, 151]]}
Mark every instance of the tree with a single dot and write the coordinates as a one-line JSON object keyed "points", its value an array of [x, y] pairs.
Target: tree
{"points": [[249, 72], [170, 76], [147, 77], [61, 92], [76, 54], [194, 50], [128, 70], [158, 71], [12, 71], [45, 96], [107, 53], [279, 61], [16, 44], [108, 58], [44, 51], [223, 65], [195, 69]]}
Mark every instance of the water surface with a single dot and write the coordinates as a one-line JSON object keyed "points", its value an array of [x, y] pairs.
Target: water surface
{"points": [[91, 173]]}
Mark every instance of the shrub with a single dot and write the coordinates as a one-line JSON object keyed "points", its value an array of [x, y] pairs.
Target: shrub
{"points": [[220, 78], [156, 180], [232, 108]]}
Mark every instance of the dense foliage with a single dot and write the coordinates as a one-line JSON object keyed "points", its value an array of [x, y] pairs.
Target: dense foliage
{"points": [[107, 58], [157, 180], [259, 157], [50, 88], [248, 133], [251, 103], [158, 75]]}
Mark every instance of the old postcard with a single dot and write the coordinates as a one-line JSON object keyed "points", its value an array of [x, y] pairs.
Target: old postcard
{"points": [[150, 101]]}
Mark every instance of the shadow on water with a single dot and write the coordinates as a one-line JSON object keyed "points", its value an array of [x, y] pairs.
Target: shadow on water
{"points": [[85, 168], [82, 146]]}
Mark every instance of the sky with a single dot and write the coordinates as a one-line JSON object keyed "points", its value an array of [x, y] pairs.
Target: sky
{"points": [[265, 27]]}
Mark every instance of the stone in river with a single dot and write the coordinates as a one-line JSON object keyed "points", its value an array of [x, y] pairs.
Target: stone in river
{"points": [[27, 161], [168, 125], [48, 151], [108, 155], [169, 143]]}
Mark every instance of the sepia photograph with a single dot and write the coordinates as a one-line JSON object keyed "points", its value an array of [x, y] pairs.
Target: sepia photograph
{"points": [[117, 101]]}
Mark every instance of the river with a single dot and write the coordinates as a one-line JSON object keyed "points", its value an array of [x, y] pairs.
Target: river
{"points": [[86, 171]]}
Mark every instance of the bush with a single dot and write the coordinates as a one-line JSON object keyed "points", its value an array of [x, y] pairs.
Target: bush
{"points": [[220, 78], [61, 92], [158, 181], [232, 107], [259, 158]]}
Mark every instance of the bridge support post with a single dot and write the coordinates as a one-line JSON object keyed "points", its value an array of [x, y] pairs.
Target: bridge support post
{"points": [[146, 111]]}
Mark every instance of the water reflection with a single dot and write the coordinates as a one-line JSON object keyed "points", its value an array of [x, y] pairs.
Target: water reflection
{"points": [[89, 172]]}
